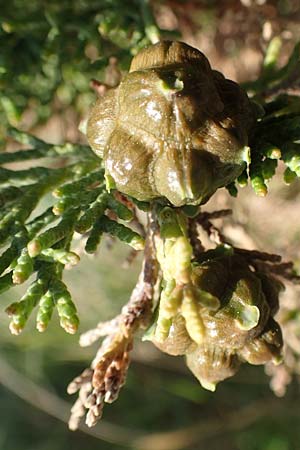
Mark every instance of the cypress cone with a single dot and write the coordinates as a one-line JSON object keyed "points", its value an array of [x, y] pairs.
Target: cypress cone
{"points": [[173, 128]]}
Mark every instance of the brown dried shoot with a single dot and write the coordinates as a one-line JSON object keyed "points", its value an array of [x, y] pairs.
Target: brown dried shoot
{"points": [[102, 382]]}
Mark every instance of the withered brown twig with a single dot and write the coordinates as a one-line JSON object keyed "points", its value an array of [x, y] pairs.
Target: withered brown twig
{"points": [[194, 237], [102, 382], [204, 220], [283, 270]]}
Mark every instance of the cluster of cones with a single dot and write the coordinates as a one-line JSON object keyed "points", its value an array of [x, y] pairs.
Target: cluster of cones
{"points": [[241, 329]]}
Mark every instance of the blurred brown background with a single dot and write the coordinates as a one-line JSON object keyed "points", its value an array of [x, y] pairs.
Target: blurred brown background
{"points": [[162, 407]]}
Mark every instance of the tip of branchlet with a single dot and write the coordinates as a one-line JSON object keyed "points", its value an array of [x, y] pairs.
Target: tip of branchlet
{"points": [[93, 416], [57, 210], [71, 259], [86, 339], [12, 309], [57, 193], [34, 248], [41, 327], [72, 388], [261, 192], [15, 328], [275, 153], [138, 243], [73, 424], [18, 277], [70, 327]]}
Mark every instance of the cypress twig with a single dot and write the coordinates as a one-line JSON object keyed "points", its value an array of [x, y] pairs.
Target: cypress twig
{"points": [[94, 237], [60, 255], [23, 268], [53, 235], [46, 307], [40, 222], [81, 199], [121, 210], [65, 307], [20, 311], [122, 232], [89, 217], [74, 187], [6, 282]]}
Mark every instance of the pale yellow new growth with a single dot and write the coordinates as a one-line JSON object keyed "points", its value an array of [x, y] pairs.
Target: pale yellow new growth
{"points": [[178, 294], [168, 308], [179, 260], [191, 312], [174, 257]]}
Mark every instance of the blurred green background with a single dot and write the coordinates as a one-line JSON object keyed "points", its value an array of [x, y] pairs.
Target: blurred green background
{"points": [[49, 52]]}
